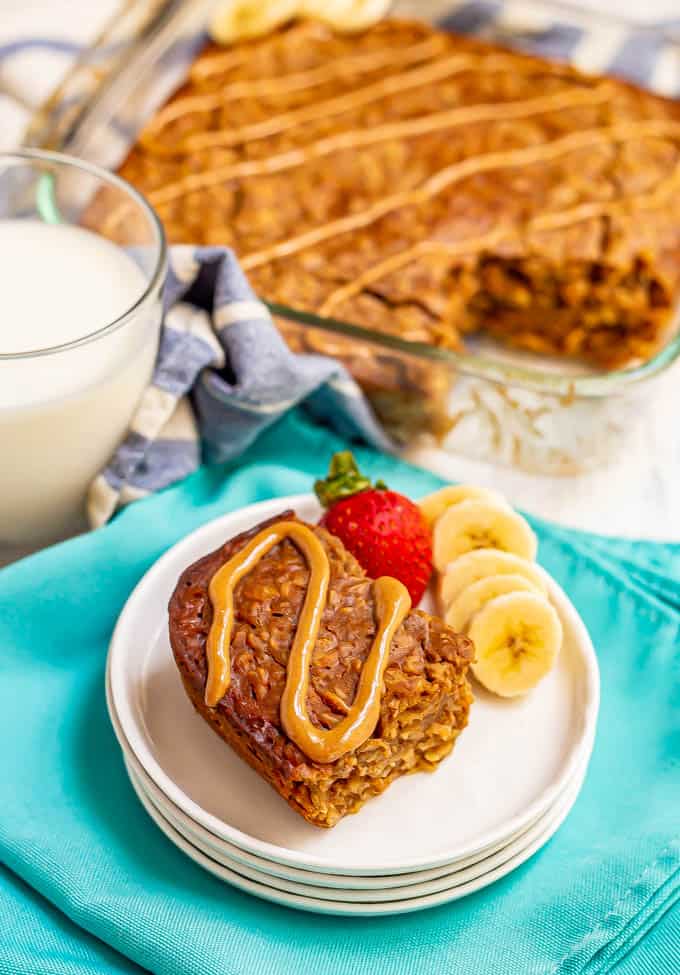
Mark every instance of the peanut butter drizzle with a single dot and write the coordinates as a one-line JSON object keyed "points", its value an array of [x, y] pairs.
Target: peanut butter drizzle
{"points": [[337, 68], [471, 245], [349, 101], [222, 137], [446, 177], [484, 162], [392, 605], [219, 63], [295, 81], [409, 128]]}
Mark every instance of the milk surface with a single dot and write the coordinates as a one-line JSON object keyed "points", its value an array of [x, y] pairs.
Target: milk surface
{"points": [[62, 414], [60, 283]]}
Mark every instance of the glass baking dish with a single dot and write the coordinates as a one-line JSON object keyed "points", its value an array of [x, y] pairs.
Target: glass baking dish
{"points": [[490, 403]]}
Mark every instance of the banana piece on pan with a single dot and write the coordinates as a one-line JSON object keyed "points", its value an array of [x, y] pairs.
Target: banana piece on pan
{"points": [[242, 20], [345, 15]]}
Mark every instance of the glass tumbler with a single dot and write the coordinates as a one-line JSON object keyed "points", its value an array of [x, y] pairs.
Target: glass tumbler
{"points": [[84, 262]]}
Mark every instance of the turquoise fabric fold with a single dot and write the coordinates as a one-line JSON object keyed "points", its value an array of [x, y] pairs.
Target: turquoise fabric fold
{"points": [[107, 887], [37, 939]]}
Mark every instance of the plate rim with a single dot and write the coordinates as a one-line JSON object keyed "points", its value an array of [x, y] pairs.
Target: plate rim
{"points": [[562, 806], [273, 867], [125, 713], [347, 908]]}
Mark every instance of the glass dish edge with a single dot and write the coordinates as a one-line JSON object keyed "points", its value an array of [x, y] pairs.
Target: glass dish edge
{"points": [[162, 22]]}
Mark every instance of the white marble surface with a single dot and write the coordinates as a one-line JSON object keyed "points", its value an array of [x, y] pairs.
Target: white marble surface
{"points": [[651, 11], [638, 497]]}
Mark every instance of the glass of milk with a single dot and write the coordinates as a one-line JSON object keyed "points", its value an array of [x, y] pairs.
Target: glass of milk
{"points": [[82, 266]]}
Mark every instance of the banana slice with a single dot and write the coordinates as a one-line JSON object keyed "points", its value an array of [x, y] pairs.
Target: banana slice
{"points": [[517, 638], [482, 562], [481, 524], [461, 611], [434, 505], [346, 15], [241, 20]]}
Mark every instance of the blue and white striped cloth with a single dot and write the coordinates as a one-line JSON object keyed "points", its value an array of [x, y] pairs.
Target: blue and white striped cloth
{"points": [[223, 372], [223, 375], [596, 42]]}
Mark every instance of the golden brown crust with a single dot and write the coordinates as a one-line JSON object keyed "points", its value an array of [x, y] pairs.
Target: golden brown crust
{"points": [[425, 700], [430, 186]]}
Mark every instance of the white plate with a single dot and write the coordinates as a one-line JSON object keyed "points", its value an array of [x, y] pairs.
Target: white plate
{"points": [[222, 851], [508, 767], [357, 909], [406, 891]]}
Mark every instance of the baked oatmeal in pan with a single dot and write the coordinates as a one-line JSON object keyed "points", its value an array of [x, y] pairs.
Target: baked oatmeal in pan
{"points": [[420, 183], [423, 696]]}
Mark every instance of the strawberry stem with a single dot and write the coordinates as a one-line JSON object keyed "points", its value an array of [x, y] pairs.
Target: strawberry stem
{"points": [[344, 479]]}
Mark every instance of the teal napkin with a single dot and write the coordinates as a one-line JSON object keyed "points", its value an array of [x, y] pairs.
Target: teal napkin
{"points": [[37, 938], [598, 898]]}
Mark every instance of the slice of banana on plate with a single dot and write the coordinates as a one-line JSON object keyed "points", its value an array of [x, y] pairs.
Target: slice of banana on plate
{"points": [[469, 602], [478, 523], [345, 15], [491, 588], [434, 505], [242, 20], [480, 563], [517, 637]]}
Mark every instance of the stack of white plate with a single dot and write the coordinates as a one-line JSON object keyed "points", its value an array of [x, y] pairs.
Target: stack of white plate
{"points": [[504, 791]]}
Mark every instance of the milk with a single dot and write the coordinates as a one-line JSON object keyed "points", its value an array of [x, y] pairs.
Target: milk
{"points": [[63, 413]]}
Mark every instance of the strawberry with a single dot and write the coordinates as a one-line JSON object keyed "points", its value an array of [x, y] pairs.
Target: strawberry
{"points": [[385, 531]]}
